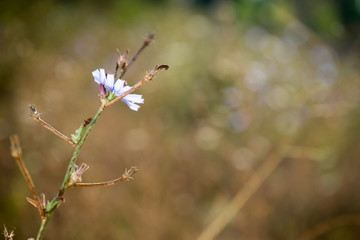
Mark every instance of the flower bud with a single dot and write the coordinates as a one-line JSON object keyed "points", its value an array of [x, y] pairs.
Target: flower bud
{"points": [[102, 90]]}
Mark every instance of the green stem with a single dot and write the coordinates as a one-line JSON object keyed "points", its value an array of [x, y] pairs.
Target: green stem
{"points": [[43, 226], [50, 208], [77, 151]]}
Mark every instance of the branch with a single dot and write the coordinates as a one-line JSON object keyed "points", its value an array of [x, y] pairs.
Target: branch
{"points": [[125, 177], [36, 117], [16, 153], [148, 77], [148, 39]]}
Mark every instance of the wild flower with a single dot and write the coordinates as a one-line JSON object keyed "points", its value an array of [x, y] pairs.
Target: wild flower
{"points": [[112, 90]]}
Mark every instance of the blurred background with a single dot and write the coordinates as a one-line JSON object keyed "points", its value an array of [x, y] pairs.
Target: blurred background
{"points": [[248, 79]]}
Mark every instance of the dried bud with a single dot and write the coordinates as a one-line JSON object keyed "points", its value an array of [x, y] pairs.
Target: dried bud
{"points": [[128, 173], [32, 202], [122, 59], [76, 175], [41, 201], [33, 112], [87, 121], [15, 146], [8, 235], [102, 90], [149, 38]]}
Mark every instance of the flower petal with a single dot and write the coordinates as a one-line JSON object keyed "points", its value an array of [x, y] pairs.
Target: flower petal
{"points": [[96, 75], [109, 82], [132, 105], [125, 89], [136, 98], [99, 76], [102, 74], [122, 90], [119, 86]]}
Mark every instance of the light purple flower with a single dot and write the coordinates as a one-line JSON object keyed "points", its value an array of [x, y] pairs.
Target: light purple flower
{"points": [[99, 76], [107, 80], [131, 99], [118, 88]]}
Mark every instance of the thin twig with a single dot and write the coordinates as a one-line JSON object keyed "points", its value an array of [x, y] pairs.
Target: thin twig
{"points": [[36, 117], [148, 77], [148, 39], [125, 177], [243, 195], [329, 224], [16, 153]]}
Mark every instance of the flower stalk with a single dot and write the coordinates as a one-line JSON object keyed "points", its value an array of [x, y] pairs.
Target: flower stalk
{"points": [[112, 89]]}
